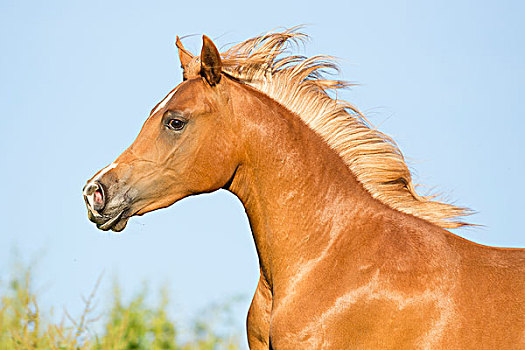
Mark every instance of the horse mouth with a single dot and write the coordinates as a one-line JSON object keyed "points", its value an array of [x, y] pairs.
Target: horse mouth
{"points": [[116, 223]]}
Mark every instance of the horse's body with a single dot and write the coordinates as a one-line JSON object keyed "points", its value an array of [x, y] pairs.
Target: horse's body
{"points": [[341, 266]]}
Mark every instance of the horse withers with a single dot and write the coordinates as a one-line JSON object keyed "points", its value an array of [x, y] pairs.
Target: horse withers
{"points": [[350, 255]]}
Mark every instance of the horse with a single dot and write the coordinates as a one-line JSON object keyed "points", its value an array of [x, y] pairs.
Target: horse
{"points": [[350, 255]]}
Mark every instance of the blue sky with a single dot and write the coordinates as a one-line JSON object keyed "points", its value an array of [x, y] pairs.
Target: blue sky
{"points": [[77, 79]]}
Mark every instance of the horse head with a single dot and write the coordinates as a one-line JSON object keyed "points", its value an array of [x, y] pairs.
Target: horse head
{"points": [[185, 147]]}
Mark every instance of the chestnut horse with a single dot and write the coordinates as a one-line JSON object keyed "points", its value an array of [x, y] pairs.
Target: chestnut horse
{"points": [[350, 255]]}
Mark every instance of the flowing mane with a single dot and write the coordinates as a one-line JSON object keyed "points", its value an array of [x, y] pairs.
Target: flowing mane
{"points": [[300, 84]]}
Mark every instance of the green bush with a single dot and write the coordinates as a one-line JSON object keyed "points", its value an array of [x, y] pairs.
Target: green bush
{"points": [[126, 326]]}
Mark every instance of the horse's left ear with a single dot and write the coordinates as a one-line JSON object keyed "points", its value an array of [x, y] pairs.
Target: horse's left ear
{"points": [[211, 64], [185, 58]]}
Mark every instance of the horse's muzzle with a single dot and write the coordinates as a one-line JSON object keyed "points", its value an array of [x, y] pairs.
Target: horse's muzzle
{"points": [[95, 196]]}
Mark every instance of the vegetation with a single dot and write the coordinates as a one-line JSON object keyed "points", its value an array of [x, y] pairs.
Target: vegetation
{"points": [[127, 325]]}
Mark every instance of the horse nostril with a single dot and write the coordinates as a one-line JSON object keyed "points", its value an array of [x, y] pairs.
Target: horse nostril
{"points": [[94, 194], [97, 197]]}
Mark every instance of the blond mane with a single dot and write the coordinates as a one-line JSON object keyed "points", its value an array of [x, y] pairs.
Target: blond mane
{"points": [[299, 84]]}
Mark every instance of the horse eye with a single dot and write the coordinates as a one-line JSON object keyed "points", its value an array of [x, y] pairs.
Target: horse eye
{"points": [[176, 124]]}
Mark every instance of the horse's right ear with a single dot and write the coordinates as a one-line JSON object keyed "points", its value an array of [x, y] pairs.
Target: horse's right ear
{"points": [[185, 58]]}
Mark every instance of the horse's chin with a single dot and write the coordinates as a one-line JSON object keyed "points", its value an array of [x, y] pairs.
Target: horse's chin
{"points": [[116, 224], [119, 226]]}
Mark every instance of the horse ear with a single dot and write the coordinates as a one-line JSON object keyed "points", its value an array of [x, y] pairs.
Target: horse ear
{"points": [[184, 56], [211, 64]]}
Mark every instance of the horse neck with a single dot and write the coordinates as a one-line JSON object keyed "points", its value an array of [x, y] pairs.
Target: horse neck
{"points": [[299, 195]]}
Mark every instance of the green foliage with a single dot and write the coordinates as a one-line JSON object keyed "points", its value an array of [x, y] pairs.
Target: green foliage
{"points": [[132, 325]]}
